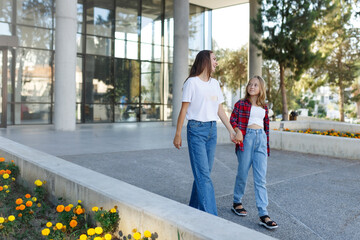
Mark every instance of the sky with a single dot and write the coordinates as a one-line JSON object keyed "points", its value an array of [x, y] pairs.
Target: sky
{"points": [[230, 26]]}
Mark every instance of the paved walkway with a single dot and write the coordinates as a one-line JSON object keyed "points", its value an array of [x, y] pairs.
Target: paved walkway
{"points": [[310, 196]]}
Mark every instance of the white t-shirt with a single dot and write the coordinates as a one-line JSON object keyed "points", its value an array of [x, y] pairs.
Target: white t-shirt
{"points": [[257, 115], [204, 98]]}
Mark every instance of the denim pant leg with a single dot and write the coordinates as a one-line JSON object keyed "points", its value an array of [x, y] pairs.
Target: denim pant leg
{"points": [[202, 143], [244, 159], [259, 172]]}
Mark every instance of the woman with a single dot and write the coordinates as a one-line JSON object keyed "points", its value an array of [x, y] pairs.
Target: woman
{"points": [[201, 105]]}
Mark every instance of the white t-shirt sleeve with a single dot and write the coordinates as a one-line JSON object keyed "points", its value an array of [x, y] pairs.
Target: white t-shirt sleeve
{"points": [[188, 91]]}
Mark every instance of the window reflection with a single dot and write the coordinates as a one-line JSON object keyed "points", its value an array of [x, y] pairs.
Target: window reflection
{"points": [[98, 17], [34, 37], [6, 10], [151, 22], [28, 113], [150, 83], [196, 28], [98, 113], [5, 29], [35, 13], [126, 81], [98, 45]]}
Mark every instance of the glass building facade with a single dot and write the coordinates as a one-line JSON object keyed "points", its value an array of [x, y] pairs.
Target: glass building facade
{"points": [[124, 59]]}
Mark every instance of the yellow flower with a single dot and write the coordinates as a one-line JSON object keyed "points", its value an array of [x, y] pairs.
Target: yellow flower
{"points": [[11, 218], [108, 236], [70, 205], [79, 201], [95, 209], [113, 210], [2, 220], [6, 186], [98, 230], [39, 204], [83, 237], [91, 231], [147, 234], [13, 178], [34, 199], [38, 183], [6, 176], [45, 231], [7, 191], [97, 238], [49, 224], [137, 236], [59, 226]]}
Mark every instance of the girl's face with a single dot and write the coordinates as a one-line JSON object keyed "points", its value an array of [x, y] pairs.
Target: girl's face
{"points": [[213, 62], [253, 87]]}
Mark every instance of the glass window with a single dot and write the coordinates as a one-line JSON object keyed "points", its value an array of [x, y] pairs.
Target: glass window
{"points": [[99, 16], [98, 113], [6, 10], [79, 43], [151, 22], [126, 49], [98, 45], [78, 113], [169, 23], [79, 79], [28, 113], [150, 112], [150, 52], [35, 13], [127, 112], [34, 37], [126, 19], [33, 75], [127, 81], [151, 88], [196, 28], [5, 29], [80, 11], [99, 84]]}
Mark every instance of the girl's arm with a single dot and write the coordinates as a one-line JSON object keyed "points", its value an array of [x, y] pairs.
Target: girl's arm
{"points": [[180, 122], [225, 120]]}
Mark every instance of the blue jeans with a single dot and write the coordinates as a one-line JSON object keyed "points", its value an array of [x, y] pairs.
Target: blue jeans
{"points": [[255, 154], [201, 138]]}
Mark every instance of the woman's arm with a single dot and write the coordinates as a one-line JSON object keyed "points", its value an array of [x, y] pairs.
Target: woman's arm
{"points": [[225, 120], [177, 139]]}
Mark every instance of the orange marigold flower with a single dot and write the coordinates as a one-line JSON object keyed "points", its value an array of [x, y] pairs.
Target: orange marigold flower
{"points": [[29, 203], [2, 159], [12, 161], [22, 207], [19, 215], [60, 208], [19, 201], [1, 188], [28, 196], [67, 209], [8, 171], [2, 171], [79, 211], [73, 223]]}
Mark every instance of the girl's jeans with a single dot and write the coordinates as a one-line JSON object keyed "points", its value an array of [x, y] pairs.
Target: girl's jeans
{"points": [[255, 154], [201, 138]]}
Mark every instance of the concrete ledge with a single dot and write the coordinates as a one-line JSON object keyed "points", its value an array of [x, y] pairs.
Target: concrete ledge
{"points": [[137, 208], [316, 144], [317, 125]]}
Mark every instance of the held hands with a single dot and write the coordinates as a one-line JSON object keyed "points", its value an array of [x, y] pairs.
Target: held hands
{"points": [[177, 141], [238, 138]]}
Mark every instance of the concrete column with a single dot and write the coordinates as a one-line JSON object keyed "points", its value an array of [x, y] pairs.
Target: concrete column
{"points": [[65, 65], [254, 56], [181, 53]]}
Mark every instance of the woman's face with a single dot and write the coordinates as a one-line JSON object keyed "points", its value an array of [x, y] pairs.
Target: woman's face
{"points": [[213, 62], [253, 87]]}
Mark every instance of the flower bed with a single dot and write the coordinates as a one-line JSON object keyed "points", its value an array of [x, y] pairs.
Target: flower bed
{"points": [[26, 216], [331, 132]]}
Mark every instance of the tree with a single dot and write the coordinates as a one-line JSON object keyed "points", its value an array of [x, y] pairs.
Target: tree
{"points": [[232, 70], [287, 28], [339, 43]]}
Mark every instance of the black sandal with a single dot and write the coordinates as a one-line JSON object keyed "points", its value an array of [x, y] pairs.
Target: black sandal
{"points": [[269, 224], [238, 211]]}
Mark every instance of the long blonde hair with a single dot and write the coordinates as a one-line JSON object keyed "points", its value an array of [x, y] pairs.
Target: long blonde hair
{"points": [[261, 100]]}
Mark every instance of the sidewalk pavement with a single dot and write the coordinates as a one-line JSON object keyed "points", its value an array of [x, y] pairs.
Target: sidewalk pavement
{"points": [[310, 196]]}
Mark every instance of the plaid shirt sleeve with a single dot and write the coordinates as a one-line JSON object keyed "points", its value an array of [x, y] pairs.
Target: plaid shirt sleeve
{"points": [[266, 128], [240, 117]]}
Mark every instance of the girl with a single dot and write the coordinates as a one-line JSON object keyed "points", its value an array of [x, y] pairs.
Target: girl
{"points": [[201, 104], [251, 123]]}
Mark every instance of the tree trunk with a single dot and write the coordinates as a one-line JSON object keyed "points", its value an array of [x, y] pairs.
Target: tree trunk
{"points": [[341, 100], [283, 93]]}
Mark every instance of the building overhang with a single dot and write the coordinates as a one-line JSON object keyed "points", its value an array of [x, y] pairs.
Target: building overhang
{"points": [[214, 4]]}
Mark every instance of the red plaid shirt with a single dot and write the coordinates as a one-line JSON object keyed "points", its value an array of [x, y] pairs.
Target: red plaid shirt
{"points": [[240, 118]]}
